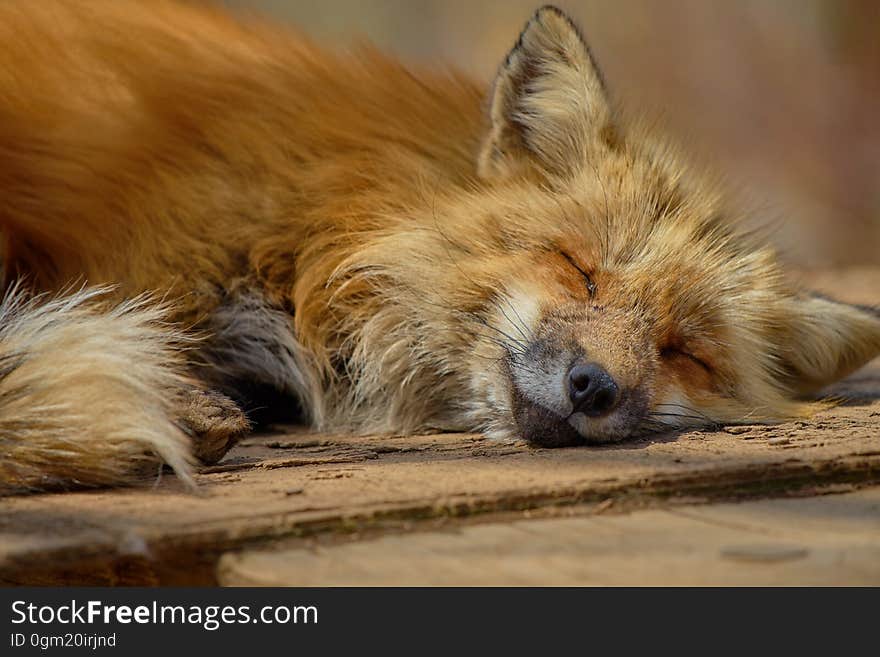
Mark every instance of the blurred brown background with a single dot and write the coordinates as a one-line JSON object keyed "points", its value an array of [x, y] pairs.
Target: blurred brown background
{"points": [[783, 96]]}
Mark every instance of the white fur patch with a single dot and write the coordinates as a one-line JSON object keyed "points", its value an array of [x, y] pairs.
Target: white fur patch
{"points": [[544, 383], [519, 312]]}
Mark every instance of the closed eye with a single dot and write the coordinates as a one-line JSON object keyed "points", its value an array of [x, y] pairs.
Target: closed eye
{"points": [[591, 286], [674, 352]]}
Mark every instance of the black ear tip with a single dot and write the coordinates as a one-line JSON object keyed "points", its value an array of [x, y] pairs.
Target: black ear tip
{"points": [[553, 8], [554, 11], [551, 16]]}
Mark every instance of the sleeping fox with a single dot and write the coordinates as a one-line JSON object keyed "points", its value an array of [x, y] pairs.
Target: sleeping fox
{"points": [[202, 216]]}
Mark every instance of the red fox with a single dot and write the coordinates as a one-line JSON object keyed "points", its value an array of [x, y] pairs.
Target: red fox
{"points": [[201, 213]]}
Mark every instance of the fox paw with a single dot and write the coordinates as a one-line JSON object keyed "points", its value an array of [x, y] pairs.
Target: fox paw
{"points": [[214, 421]]}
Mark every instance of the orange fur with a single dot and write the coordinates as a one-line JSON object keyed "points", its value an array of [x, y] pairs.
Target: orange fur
{"points": [[363, 236]]}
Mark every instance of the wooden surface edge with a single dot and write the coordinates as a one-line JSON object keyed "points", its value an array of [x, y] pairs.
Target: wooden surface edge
{"points": [[189, 557]]}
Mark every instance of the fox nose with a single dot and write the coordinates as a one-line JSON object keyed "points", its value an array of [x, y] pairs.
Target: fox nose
{"points": [[592, 390]]}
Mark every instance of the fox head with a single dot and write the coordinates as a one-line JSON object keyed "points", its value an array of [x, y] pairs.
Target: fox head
{"points": [[587, 285], [597, 285], [622, 299]]}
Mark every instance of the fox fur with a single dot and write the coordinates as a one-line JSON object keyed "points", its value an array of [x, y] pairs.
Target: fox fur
{"points": [[195, 206]]}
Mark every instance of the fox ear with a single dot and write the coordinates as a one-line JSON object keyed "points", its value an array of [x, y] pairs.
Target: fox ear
{"points": [[827, 341], [548, 102]]}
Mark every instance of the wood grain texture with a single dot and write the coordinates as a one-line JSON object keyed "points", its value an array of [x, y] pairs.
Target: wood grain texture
{"points": [[831, 540]]}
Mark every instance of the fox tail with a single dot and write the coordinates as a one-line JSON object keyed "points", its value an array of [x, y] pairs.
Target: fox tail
{"points": [[86, 391]]}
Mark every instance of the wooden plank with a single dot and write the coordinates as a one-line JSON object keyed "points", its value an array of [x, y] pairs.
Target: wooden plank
{"points": [[827, 540]]}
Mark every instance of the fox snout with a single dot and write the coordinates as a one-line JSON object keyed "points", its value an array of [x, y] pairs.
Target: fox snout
{"points": [[585, 378], [592, 390], [593, 394], [588, 407]]}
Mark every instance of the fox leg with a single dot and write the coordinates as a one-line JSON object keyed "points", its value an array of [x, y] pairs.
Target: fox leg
{"points": [[212, 420]]}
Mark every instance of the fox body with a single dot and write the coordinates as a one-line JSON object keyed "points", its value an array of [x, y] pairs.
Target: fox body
{"points": [[389, 249]]}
